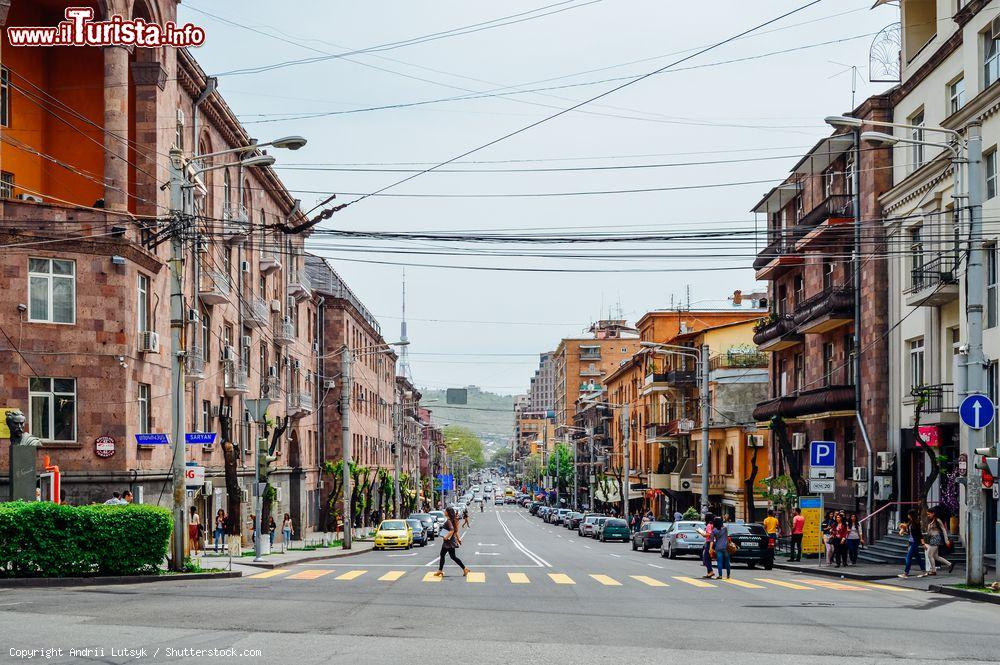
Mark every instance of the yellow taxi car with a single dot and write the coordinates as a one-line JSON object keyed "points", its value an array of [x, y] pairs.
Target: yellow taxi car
{"points": [[393, 533]]}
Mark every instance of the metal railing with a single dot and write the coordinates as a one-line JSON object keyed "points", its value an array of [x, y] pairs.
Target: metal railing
{"points": [[738, 360], [831, 300], [766, 331], [235, 221], [194, 365], [937, 271], [939, 398], [236, 379], [284, 331], [834, 205], [257, 310]]}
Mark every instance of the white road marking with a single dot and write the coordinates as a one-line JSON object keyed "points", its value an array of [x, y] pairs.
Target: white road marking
{"points": [[486, 544], [487, 553], [411, 554], [617, 556], [588, 547], [654, 565], [520, 546]]}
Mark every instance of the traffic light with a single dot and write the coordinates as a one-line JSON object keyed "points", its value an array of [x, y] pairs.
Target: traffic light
{"points": [[264, 460], [989, 464]]}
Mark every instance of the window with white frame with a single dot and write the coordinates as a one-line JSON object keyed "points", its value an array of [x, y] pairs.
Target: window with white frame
{"points": [[917, 135], [992, 391], [991, 173], [206, 416], [956, 94], [51, 291], [142, 303], [179, 130], [144, 424], [991, 286], [991, 59], [206, 334], [916, 256], [916, 347], [53, 409], [6, 185], [4, 97]]}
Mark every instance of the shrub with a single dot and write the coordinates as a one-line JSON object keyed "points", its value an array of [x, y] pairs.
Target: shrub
{"points": [[42, 539]]}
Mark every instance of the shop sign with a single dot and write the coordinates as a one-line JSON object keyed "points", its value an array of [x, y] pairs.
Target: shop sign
{"points": [[104, 446]]}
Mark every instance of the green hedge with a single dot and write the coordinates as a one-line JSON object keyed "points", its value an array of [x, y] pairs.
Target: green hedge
{"points": [[42, 539]]}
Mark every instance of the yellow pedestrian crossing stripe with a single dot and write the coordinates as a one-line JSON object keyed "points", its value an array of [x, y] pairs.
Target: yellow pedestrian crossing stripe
{"points": [[475, 578], [518, 578], [695, 582], [310, 574], [648, 581], [392, 576], [606, 581], [351, 575], [560, 578], [787, 585], [834, 585], [432, 577], [741, 583], [886, 587], [270, 573]]}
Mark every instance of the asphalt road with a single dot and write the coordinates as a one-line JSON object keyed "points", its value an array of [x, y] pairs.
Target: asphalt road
{"points": [[538, 594]]}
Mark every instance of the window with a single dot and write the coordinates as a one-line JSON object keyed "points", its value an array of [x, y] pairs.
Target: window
{"points": [[782, 299], [827, 273], [782, 377], [51, 291], [916, 257], [956, 353], [849, 354], [992, 391], [179, 130], [991, 174], [6, 185], [991, 60], [800, 372], [144, 424], [956, 95], [4, 97], [142, 303], [917, 134], [916, 362], [828, 363], [227, 338], [799, 289], [206, 334], [991, 286], [849, 447], [53, 409]]}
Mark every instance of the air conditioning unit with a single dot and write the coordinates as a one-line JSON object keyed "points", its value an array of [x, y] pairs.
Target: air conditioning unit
{"points": [[30, 197], [245, 266], [207, 488], [297, 364], [882, 488], [226, 412], [799, 441], [192, 316], [228, 353], [884, 462], [149, 342], [275, 305], [861, 474], [861, 490], [247, 341], [244, 495], [755, 440], [319, 484], [686, 485]]}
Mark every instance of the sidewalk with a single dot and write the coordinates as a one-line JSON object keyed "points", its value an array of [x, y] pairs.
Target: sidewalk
{"points": [[885, 574], [277, 558]]}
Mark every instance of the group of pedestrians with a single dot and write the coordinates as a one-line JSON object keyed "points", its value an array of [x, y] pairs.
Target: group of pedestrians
{"points": [[930, 543], [843, 538], [718, 547], [119, 498], [638, 519]]}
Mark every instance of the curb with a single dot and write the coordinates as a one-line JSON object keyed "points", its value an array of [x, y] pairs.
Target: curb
{"points": [[834, 572], [271, 565], [966, 594], [21, 582]]}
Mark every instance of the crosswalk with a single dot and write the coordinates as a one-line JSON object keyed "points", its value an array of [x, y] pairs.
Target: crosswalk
{"points": [[563, 579]]}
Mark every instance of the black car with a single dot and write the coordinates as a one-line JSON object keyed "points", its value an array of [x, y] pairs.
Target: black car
{"points": [[428, 522], [755, 546], [649, 536], [533, 507], [420, 534]]}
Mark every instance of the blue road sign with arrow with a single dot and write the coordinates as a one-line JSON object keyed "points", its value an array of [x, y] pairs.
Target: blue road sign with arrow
{"points": [[977, 411]]}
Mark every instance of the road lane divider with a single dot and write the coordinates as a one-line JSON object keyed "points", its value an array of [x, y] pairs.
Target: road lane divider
{"points": [[542, 563]]}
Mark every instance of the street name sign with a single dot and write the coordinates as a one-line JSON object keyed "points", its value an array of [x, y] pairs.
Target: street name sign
{"points": [[204, 438], [153, 439], [977, 411]]}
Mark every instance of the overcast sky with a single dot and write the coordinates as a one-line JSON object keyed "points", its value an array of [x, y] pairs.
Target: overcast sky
{"points": [[462, 322]]}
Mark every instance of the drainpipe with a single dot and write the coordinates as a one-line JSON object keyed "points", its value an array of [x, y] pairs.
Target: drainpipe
{"points": [[210, 85], [856, 278]]}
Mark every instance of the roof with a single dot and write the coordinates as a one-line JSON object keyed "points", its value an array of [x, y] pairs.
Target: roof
{"points": [[824, 153], [778, 198], [627, 365], [693, 334]]}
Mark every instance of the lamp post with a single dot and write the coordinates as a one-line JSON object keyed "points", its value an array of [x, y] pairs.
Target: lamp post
{"points": [[974, 370], [626, 444], [576, 468]]}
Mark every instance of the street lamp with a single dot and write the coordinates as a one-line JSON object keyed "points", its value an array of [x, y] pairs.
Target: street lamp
{"points": [[626, 444], [576, 471], [701, 356]]}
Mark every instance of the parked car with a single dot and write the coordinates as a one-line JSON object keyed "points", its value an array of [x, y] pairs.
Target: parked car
{"points": [[510, 499], [649, 536], [588, 526], [393, 533], [614, 529], [755, 546], [558, 516], [419, 532], [572, 520], [439, 517], [533, 507], [498, 500], [428, 522], [682, 538]]}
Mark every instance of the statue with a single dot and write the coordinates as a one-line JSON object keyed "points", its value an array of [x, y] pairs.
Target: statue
{"points": [[15, 423], [22, 477]]}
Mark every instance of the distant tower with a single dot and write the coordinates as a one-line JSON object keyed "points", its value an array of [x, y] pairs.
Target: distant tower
{"points": [[404, 342]]}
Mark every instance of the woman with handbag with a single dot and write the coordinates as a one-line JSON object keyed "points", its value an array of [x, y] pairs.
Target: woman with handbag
{"points": [[911, 529], [838, 539], [721, 546], [855, 538], [937, 534], [450, 541], [706, 550]]}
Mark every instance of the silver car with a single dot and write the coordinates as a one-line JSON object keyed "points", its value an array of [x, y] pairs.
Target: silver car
{"points": [[682, 538], [590, 525]]}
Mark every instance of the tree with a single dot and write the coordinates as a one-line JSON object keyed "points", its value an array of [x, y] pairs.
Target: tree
{"points": [[463, 441], [230, 456], [782, 492], [561, 467], [533, 468], [500, 457], [270, 493]]}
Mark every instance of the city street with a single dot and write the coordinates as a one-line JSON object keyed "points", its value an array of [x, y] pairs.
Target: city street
{"points": [[537, 594]]}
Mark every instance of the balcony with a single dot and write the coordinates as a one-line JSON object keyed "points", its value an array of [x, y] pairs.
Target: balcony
{"points": [[591, 372], [194, 365], [829, 309], [778, 256], [658, 432], [822, 403], [269, 261], [299, 286], [777, 406], [716, 483], [214, 288], [235, 382], [672, 380], [738, 360], [257, 312], [270, 387], [933, 284], [235, 223], [283, 331], [938, 407], [299, 403], [834, 208], [775, 333]]}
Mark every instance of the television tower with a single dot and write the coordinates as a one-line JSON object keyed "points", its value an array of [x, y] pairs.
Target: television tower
{"points": [[404, 342]]}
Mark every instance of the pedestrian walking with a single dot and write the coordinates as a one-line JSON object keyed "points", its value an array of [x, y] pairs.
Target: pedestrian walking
{"points": [[218, 534], [194, 531], [798, 526], [115, 500], [127, 497], [252, 524], [451, 540], [720, 547], [911, 529], [855, 538], [678, 516], [937, 535], [271, 528], [465, 517], [825, 527], [838, 540], [706, 550], [286, 529]]}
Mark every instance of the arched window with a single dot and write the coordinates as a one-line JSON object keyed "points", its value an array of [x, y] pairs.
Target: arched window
{"points": [[227, 194], [729, 462]]}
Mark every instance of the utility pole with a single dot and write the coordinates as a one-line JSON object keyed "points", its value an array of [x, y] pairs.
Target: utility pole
{"points": [[180, 224], [975, 382], [705, 407], [590, 470], [576, 492], [345, 439], [398, 438], [626, 474]]}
